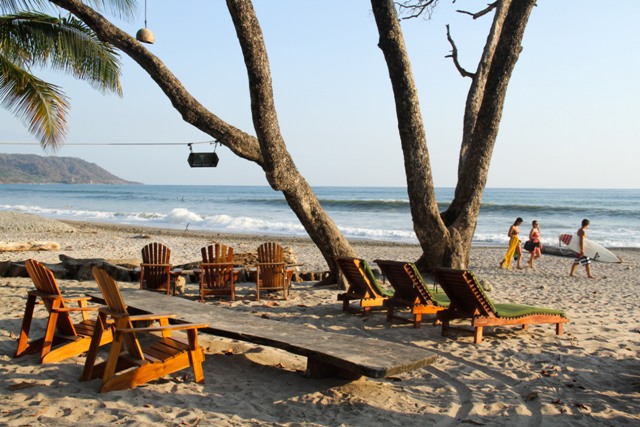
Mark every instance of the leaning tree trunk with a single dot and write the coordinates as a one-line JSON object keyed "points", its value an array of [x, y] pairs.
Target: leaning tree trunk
{"points": [[267, 150], [446, 238], [430, 229]]}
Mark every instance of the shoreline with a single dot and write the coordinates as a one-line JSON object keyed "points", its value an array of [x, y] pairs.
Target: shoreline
{"points": [[265, 237]]}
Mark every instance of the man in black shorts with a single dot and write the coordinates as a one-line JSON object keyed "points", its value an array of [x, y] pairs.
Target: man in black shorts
{"points": [[582, 258]]}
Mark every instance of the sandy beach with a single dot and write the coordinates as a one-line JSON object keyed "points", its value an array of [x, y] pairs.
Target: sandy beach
{"points": [[588, 376]]}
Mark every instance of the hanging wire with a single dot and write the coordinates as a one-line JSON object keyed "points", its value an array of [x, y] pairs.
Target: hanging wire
{"points": [[215, 142], [145, 13]]}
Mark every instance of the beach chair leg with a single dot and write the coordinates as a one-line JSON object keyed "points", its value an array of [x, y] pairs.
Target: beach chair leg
{"points": [[390, 314], [49, 334], [477, 334], [23, 341], [559, 329], [417, 320], [525, 326], [196, 356], [92, 354], [445, 327]]}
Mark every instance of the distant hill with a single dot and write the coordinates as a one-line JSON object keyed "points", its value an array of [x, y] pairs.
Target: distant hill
{"points": [[33, 169]]}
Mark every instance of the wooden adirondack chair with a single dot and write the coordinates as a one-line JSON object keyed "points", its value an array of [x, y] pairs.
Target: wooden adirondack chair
{"points": [[469, 301], [217, 276], [62, 338], [363, 286], [129, 364], [271, 272], [410, 292], [155, 270]]}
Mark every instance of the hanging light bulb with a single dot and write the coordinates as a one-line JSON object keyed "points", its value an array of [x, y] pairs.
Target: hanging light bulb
{"points": [[145, 35]]}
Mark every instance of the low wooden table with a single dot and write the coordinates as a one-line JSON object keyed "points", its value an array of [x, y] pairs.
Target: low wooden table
{"points": [[329, 354]]}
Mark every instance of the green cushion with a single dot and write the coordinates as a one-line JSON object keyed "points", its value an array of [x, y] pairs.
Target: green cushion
{"points": [[484, 295], [372, 278], [439, 297], [520, 310]]}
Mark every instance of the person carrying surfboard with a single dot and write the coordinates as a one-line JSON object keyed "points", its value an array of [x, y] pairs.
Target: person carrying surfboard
{"points": [[582, 258], [514, 250]]}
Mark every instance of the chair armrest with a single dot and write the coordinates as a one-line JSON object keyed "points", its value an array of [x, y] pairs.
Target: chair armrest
{"points": [[76, 299], [70, 309], [270, 264], [154, 316], [180, 327], [216, 264]]}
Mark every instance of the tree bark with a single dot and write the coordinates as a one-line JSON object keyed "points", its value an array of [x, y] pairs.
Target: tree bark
{"points": [[446, 237], [430, 230], [267, 150]]}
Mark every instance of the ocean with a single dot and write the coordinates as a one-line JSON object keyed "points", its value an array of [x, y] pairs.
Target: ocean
{"points": [[365, 213]]}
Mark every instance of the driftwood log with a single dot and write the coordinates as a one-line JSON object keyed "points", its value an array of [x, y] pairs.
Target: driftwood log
{"points": [[126, 270], [28, 246], [71, 268]]}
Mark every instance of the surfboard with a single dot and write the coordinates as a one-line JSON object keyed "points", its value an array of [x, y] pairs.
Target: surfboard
{"points": [[592, 249]]}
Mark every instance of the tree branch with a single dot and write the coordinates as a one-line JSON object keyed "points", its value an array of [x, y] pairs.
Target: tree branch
{"points": [[416, 10], [192, 111], [483, 12], [454, 56]]}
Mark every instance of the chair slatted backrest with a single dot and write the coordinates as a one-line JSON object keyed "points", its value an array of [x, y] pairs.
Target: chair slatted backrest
{"points": [[464, 291], [406, 281], [45, 282], [360, 277], [217, 266], [271, 265], [117, 307], [155, 268]]}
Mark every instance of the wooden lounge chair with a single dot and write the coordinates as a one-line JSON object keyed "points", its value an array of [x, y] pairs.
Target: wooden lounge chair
{"points": [[410, 292], [62, 338], [217, 276], [469, 301], [363, 286], [271, 271], [129, 364], [155, 270]]}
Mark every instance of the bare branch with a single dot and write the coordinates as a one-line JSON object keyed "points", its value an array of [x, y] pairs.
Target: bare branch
{"points": [[454, 56], [415, 8], [483, 12]]}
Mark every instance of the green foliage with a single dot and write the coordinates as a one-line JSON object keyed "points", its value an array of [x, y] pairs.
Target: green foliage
{"points": [[33, 169], [32, 39]]}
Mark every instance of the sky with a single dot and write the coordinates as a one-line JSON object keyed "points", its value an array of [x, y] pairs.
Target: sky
{"points": [[571, 117]]}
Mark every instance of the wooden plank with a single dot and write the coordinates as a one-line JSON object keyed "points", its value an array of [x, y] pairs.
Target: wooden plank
{"points": [[328, 353]]}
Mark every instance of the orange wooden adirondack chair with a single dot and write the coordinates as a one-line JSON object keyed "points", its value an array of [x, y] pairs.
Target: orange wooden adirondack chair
{"points": [[363, 286], [469, 301], [62, 338], [217, 276], [410, 292], [155, 270], [271, 272], [129, 364]]}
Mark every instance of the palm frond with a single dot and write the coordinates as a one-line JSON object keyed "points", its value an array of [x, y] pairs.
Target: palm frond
{"points": [[120, 8], [65, 44], [40, 105]]}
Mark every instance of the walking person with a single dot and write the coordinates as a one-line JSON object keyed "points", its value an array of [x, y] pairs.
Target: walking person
{"points": [[534, 238], [582, 258], [514, 250]]}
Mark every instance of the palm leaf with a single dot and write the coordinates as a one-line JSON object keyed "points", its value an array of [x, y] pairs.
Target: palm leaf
{"points": [[120, 8], [41, 105], [65, 44]]}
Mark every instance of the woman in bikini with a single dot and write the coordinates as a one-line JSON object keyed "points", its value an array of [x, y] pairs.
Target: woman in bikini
{"points": [[514, 246], [534, 236]]}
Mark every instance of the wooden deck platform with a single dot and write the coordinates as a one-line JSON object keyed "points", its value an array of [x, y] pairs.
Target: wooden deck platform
{"points": [[329, 354]]}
